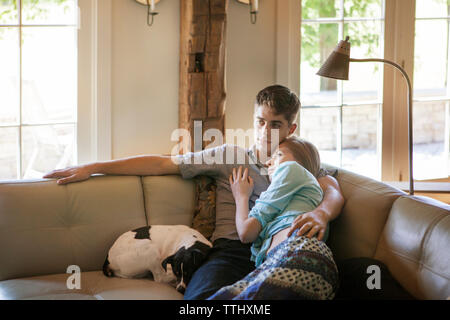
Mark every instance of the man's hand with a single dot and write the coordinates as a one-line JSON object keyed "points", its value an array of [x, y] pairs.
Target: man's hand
{"points": [[71, 174], [310, 223], [329, 209]]}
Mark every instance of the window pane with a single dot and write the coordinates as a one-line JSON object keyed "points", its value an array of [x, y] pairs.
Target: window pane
{"points": [[319, 126], [430, 137], [363, 8], [360, 140], [49, 60], [365, 78], [49, 12], [430, 63], [432, 9], [8, 12], [318, 41], [9, 76], [46, 148], [313, 9], [9, 144]]}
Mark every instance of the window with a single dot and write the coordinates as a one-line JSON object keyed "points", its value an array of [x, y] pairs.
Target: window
{"points": [[342, 118], [55, 85], [38, 86], [360, 124], [431, 90]]}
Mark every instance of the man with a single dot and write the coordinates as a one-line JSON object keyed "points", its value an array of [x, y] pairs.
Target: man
{"points": [[276, 108]]}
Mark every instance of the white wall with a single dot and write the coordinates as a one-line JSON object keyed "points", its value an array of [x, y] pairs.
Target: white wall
{"points": [[251, 60], [144, 78], [145, 72]]}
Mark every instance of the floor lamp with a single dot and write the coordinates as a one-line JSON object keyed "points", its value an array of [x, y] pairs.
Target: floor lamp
{"points": [[337, 66]]}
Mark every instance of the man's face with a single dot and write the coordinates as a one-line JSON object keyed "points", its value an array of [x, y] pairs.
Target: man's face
{"points": [[264, 121]]}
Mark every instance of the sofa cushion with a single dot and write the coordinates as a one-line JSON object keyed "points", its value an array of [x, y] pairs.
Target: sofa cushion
{"points": [[169, 199], [415, 246], [94, 286], [45, 227], [353, 277], [356, 231]]}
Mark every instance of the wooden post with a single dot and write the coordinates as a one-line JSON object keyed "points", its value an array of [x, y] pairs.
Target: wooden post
{"points": [[202, 65]]}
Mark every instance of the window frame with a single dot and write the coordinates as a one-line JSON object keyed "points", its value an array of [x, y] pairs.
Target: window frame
{"points": [[93, 109], [94, 81], [341, 104], [399, 28]]}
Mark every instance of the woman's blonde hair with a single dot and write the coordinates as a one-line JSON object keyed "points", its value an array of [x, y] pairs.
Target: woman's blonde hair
{"points": [[304, 152]]}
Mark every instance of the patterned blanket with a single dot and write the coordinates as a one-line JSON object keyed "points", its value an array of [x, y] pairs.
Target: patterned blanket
{"points": [[298, 268]]}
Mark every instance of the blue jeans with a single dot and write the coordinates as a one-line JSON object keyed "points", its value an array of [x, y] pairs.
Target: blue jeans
{"points": [[228, 262]]}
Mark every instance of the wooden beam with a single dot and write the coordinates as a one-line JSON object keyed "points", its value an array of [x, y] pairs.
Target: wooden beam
{"points": [[202, 92]]}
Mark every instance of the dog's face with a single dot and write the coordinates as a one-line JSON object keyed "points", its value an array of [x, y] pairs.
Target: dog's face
{"points": [[185, 262]]}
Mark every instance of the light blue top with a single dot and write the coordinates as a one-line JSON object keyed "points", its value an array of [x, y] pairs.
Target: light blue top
{"points": [[292, 191]]}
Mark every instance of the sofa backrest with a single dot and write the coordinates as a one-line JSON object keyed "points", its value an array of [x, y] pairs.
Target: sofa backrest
{"points": [[169, 199], [45, 227], [415, 245], [355, 233]]}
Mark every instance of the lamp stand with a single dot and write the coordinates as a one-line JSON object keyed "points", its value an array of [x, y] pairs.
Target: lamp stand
{"points": [[410, 123]]}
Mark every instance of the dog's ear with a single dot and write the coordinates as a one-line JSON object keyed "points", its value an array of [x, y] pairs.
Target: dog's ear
{"points": [[166, 261], [201, 247], [177, 261], [203, 252]]}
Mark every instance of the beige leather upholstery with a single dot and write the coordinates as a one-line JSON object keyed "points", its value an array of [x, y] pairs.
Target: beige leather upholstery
{"points": [[94, 286], [160, 191], [415, 245], [367, 204], [44, 228]]}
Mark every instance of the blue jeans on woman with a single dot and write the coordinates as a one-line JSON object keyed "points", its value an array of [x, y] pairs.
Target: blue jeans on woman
{"points": [[228, 262]]}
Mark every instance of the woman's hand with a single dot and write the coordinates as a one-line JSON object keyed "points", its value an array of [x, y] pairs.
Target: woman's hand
{"points": [[310, 223], [242, 188], [241, 184]]}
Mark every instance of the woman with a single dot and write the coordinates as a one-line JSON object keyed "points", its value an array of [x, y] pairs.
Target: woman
{"points": [[288, 267]]}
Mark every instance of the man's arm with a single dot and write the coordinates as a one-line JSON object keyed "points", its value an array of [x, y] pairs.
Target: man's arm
{"points": [[138, 165], [329, 209], [333, 200]]}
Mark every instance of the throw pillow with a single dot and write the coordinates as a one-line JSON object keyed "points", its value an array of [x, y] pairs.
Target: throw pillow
{"points": [[353, 276], [205, 212]]}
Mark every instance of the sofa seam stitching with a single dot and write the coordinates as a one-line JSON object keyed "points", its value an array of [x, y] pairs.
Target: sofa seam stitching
{"points": [[144, 202], [414, 260], [402, 193], [427, 237], [65, 226], [415, 198], [381, 233], [69, 227]]}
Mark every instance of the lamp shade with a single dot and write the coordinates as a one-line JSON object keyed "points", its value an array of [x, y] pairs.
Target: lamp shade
{"points": [[337, 64]]}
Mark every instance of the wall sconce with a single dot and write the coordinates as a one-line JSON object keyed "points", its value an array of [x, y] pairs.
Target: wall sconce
{"points": [[150, 4], [254, 4]]}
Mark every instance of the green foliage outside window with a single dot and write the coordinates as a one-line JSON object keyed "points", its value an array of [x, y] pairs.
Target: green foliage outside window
{"points": [[326, 34], [33, 10]]}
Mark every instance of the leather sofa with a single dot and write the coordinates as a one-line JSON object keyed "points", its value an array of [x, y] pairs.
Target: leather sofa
{"points": [[45, 228]]}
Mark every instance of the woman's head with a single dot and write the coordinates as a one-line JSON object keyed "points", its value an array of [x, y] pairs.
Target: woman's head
{"points": [[299, 150]]}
